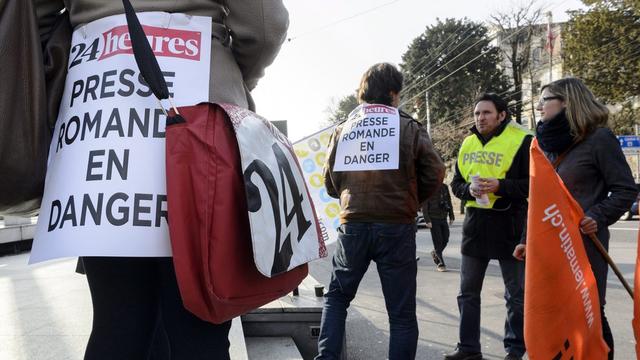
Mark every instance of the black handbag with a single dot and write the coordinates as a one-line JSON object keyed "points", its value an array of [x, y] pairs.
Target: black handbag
{"points": [[31, 85]]}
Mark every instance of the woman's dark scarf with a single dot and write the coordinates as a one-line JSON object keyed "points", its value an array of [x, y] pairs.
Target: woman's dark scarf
{"points": [[554, 136]]}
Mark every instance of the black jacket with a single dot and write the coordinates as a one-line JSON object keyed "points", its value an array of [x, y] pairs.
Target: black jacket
{"points": [[494, 233], [598, 177], [438, 206]]}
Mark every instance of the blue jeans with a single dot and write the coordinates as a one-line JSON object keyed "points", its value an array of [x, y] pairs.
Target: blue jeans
{"points": [[472, 272], [393, 248]]}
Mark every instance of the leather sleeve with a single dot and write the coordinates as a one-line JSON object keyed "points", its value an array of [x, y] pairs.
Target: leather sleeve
{"points": [[55, 58], [429, 167], [47, 12], [24, 136], [327, 172]]}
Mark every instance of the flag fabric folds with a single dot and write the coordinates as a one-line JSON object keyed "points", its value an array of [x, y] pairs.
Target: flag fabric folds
{"points": [[561, 306]]}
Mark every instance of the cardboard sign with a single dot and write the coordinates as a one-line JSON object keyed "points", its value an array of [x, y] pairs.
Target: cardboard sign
{"points": [[312, 153], [105, 192], [370, 139]]}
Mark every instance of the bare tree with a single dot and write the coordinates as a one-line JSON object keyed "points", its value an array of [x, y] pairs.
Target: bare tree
{"points": [[516, 26], [339, 109]]}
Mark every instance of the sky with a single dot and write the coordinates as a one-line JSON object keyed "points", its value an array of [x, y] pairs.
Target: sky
{"points": [[326, 56]]}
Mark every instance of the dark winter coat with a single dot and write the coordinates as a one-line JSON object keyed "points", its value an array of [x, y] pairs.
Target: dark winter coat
{"points": [[438, 206], [494, 233], [598, 177]]}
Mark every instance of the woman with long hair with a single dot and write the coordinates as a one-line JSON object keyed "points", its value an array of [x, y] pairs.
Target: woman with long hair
{"points": [[574, 135]]}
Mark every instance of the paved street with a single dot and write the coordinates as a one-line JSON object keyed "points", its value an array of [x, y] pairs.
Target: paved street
{"points": [[59, 317], [367, 327]]}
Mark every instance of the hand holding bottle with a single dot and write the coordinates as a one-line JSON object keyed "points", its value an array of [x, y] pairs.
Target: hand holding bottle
{"points": [[477, 190]]}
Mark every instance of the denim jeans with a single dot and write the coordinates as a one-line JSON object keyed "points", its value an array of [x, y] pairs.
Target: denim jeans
{"points": [[393, 248], [472, 274]]}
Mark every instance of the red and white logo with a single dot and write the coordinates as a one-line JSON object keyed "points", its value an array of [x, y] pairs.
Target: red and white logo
{"points": [[164, 42], [377, 108]]}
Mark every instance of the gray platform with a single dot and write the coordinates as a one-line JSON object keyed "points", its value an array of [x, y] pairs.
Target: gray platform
{"points": [[280, 348], [17, 229], [295, 317]]}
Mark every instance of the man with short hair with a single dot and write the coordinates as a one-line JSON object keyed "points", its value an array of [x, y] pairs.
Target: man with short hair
{"points": [[492, 175], [381, 166]]}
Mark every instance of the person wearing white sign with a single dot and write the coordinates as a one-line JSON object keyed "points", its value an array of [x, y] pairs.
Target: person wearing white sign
{"points": [[379, 197], [217, 51]]}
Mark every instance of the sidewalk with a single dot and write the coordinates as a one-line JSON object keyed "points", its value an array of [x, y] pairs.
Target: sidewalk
{"points": [[45, 310], [437, 310]]}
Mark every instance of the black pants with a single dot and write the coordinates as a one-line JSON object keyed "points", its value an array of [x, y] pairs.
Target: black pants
{"points": [[130, 297], [440, 236], [606, 333], [600, 270], [472, 274]]}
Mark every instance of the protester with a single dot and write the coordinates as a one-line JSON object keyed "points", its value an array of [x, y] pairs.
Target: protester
{"points": [[492, 175], [131, 295], [573, 134], [435, 211], [377, 217]]}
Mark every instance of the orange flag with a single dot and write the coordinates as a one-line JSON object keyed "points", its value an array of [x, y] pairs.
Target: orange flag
{"points": [[636, 302], [561, 306]]}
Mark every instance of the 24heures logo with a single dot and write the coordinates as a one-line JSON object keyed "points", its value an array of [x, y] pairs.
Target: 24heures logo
{"points": [[164, 42]]}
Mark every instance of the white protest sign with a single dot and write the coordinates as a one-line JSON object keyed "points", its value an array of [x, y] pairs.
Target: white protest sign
{"points": [[370, 139], [105, 191], [312, 153], [285, 231]]}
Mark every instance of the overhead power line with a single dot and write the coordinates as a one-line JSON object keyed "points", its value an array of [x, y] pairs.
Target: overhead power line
{"points": [[334, 23], [469, 62]]}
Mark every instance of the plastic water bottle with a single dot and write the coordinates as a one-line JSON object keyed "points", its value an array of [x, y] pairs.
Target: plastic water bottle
{"points": [[483, 200]]}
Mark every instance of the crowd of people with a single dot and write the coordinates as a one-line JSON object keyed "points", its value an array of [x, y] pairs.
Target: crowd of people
{"points": [[136, 301], [492, 178]]}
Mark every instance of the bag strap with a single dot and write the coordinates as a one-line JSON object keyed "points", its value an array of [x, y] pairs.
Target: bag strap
{"points": [[146, 60], [561, 157]]}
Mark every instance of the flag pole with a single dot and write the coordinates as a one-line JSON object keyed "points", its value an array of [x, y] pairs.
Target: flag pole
{"points": [[606, 256]]}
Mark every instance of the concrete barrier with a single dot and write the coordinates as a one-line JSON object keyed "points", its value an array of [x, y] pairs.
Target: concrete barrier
{"points": [[14, 229]]}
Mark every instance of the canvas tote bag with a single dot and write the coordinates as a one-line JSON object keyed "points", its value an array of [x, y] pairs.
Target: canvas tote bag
{"points": [[214, 188]]}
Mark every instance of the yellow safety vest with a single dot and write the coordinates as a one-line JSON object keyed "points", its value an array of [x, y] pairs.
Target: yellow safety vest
{"points": [[491, 160]]}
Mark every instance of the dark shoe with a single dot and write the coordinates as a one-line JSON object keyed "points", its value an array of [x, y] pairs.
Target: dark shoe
{"points": [[435, 257], [462, 355], [442, 268], [512, 357]]}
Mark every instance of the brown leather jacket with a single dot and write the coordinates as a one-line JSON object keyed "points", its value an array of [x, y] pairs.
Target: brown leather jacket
{"points": [[387, 196]]}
